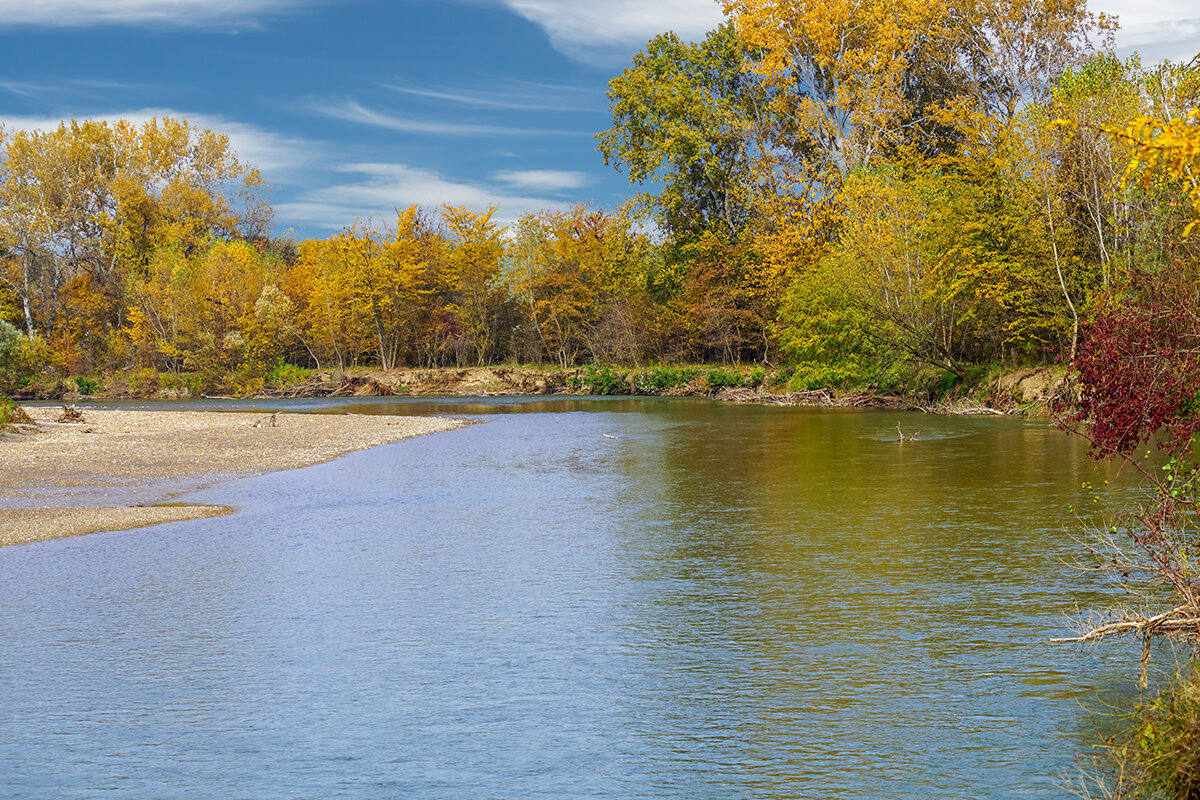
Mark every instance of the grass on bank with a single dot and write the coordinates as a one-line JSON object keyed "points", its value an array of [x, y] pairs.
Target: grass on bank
{"points": [[1155, 753]]}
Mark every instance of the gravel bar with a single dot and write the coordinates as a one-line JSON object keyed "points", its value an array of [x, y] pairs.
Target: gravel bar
{"points": [[109, 471]]}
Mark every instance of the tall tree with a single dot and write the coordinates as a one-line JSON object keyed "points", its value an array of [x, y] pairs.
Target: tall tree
{"points": [[689, 116]]}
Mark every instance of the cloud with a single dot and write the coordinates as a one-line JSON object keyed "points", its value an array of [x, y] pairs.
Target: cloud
{"points": [[63, 87], [275, 155], [514, 96], [1157, 29], [170, 13], [543, 180], [386, 187], [21, 88], [605, 32], [352, 111]]}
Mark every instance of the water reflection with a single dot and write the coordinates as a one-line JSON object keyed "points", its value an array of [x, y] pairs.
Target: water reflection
{"points": [[841, 576], [722, 602]]}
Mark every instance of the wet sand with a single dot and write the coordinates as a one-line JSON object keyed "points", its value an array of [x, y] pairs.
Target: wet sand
{"points": [[111, 471]]}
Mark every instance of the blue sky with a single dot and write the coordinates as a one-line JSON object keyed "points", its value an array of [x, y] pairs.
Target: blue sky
{"points": [[356, 107]]}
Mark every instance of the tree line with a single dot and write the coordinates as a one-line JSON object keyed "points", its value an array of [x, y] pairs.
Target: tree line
{"points": [[851, 188], [947, 183]]}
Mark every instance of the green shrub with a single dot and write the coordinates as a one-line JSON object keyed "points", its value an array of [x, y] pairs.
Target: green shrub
{"points": [[86, 385], [185, 384], [600, 380], [659, 380], [284, 375], [26, 362], [780, 377], [10, 351], [719, 379], [1157, 753], [848, 375], [11, 414], [1169, 741]]}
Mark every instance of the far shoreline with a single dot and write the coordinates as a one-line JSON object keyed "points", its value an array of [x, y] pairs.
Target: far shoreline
{"points": [[1023, 391]]}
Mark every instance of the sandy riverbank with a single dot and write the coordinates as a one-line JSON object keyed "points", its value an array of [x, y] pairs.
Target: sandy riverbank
{"points": [[109, 472]]}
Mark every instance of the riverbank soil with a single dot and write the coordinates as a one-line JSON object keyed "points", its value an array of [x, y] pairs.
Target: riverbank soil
{"points": [[1026, 391], [114, 470]]}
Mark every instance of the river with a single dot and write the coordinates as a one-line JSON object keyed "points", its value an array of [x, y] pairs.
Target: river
{"points": [[720, 602]]}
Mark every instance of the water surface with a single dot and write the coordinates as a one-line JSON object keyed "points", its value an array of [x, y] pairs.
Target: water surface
{"points": [[721, 602]]}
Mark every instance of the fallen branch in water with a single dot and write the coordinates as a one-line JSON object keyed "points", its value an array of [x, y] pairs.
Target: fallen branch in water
{"points": [[1179, 620]]}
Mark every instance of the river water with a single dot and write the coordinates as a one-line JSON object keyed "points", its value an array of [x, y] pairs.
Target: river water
{"points": [[721, 602]]}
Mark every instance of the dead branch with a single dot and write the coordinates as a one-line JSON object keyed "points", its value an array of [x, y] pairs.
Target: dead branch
{"points": [[1180, 621]]}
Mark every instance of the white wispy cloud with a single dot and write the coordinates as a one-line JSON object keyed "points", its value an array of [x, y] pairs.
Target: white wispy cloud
{"points": [[276, 155], [353, 111], [21, 88], [382, 188], [63, 87], [606, 31], [525, 97], [543, 180], [171, 13]]}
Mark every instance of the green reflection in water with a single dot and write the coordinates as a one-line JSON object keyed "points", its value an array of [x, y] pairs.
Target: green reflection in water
{"points": [[856, 606]]}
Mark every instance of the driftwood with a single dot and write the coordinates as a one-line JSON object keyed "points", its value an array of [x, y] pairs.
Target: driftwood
{"points": [[977, 411], [1150, 554], [347, 387], [1181, 620], [818, 397], [71, 414], [266, 422], [811, 397], [321, 389], [1181, 623]]}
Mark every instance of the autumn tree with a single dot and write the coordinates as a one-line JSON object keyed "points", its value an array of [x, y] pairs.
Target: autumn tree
{"points": [[835, 75], [195, 311], [875, 297], [473, 254], [332, 329], [690, 117], [87, 204]]}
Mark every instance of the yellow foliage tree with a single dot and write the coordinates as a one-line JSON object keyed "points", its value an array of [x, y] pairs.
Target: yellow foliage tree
{"points": [[97, 199], [1170, 149], [473, 255]]}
